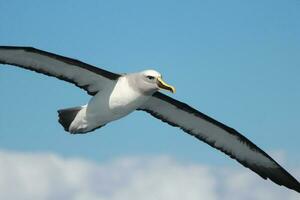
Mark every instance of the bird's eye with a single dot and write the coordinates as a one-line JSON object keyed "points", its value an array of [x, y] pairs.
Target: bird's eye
{"points": [[150, 77]]}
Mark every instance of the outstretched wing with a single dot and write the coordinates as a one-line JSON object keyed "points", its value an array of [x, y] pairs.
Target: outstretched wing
{"points": [[83, 75], [219, 136]]}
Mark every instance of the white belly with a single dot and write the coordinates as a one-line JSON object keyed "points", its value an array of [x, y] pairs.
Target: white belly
{"points": [[109, 105]]}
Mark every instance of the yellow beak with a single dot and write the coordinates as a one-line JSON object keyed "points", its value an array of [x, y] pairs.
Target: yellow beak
{"points": [[161, 84]]}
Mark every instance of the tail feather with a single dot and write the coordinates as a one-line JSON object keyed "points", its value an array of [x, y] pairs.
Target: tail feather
{"points": [[66, 116]]}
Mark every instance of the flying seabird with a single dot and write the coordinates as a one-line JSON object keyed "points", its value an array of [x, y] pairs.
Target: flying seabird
{"points": [[115, 96]]}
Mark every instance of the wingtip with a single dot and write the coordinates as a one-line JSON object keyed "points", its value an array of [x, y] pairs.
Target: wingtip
{"points": [[296, 187], [284, 178]]}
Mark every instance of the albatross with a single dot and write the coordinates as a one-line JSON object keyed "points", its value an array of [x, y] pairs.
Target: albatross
{"points": [[116, 95]]}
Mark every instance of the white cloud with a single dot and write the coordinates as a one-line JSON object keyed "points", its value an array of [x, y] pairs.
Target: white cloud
{"points": [[47, 176]]}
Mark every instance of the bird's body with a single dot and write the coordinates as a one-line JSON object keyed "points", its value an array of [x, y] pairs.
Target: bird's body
{"points": [[115, 96], [112, 103]]}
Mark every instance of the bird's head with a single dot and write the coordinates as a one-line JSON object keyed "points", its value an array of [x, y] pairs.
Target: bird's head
{"points": [[150, 81]]}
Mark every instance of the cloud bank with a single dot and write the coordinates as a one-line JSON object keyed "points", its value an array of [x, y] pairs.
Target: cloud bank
{"points": [[52, 177]]}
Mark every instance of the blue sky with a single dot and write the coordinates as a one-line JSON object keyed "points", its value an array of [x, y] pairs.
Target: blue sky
{"points": [[235, 61]]}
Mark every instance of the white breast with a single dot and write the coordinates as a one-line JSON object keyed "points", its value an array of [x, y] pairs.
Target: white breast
{"points": [[115, 102], [124, 99]]}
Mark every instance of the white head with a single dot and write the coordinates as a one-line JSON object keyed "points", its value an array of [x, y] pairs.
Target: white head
{"points": [[149, 81]]}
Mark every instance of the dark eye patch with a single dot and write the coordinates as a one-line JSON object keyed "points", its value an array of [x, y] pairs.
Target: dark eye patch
{"points": [[150, 77]]}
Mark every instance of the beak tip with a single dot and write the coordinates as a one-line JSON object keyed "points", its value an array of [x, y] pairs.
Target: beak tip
{"points": [[163, 85]]}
